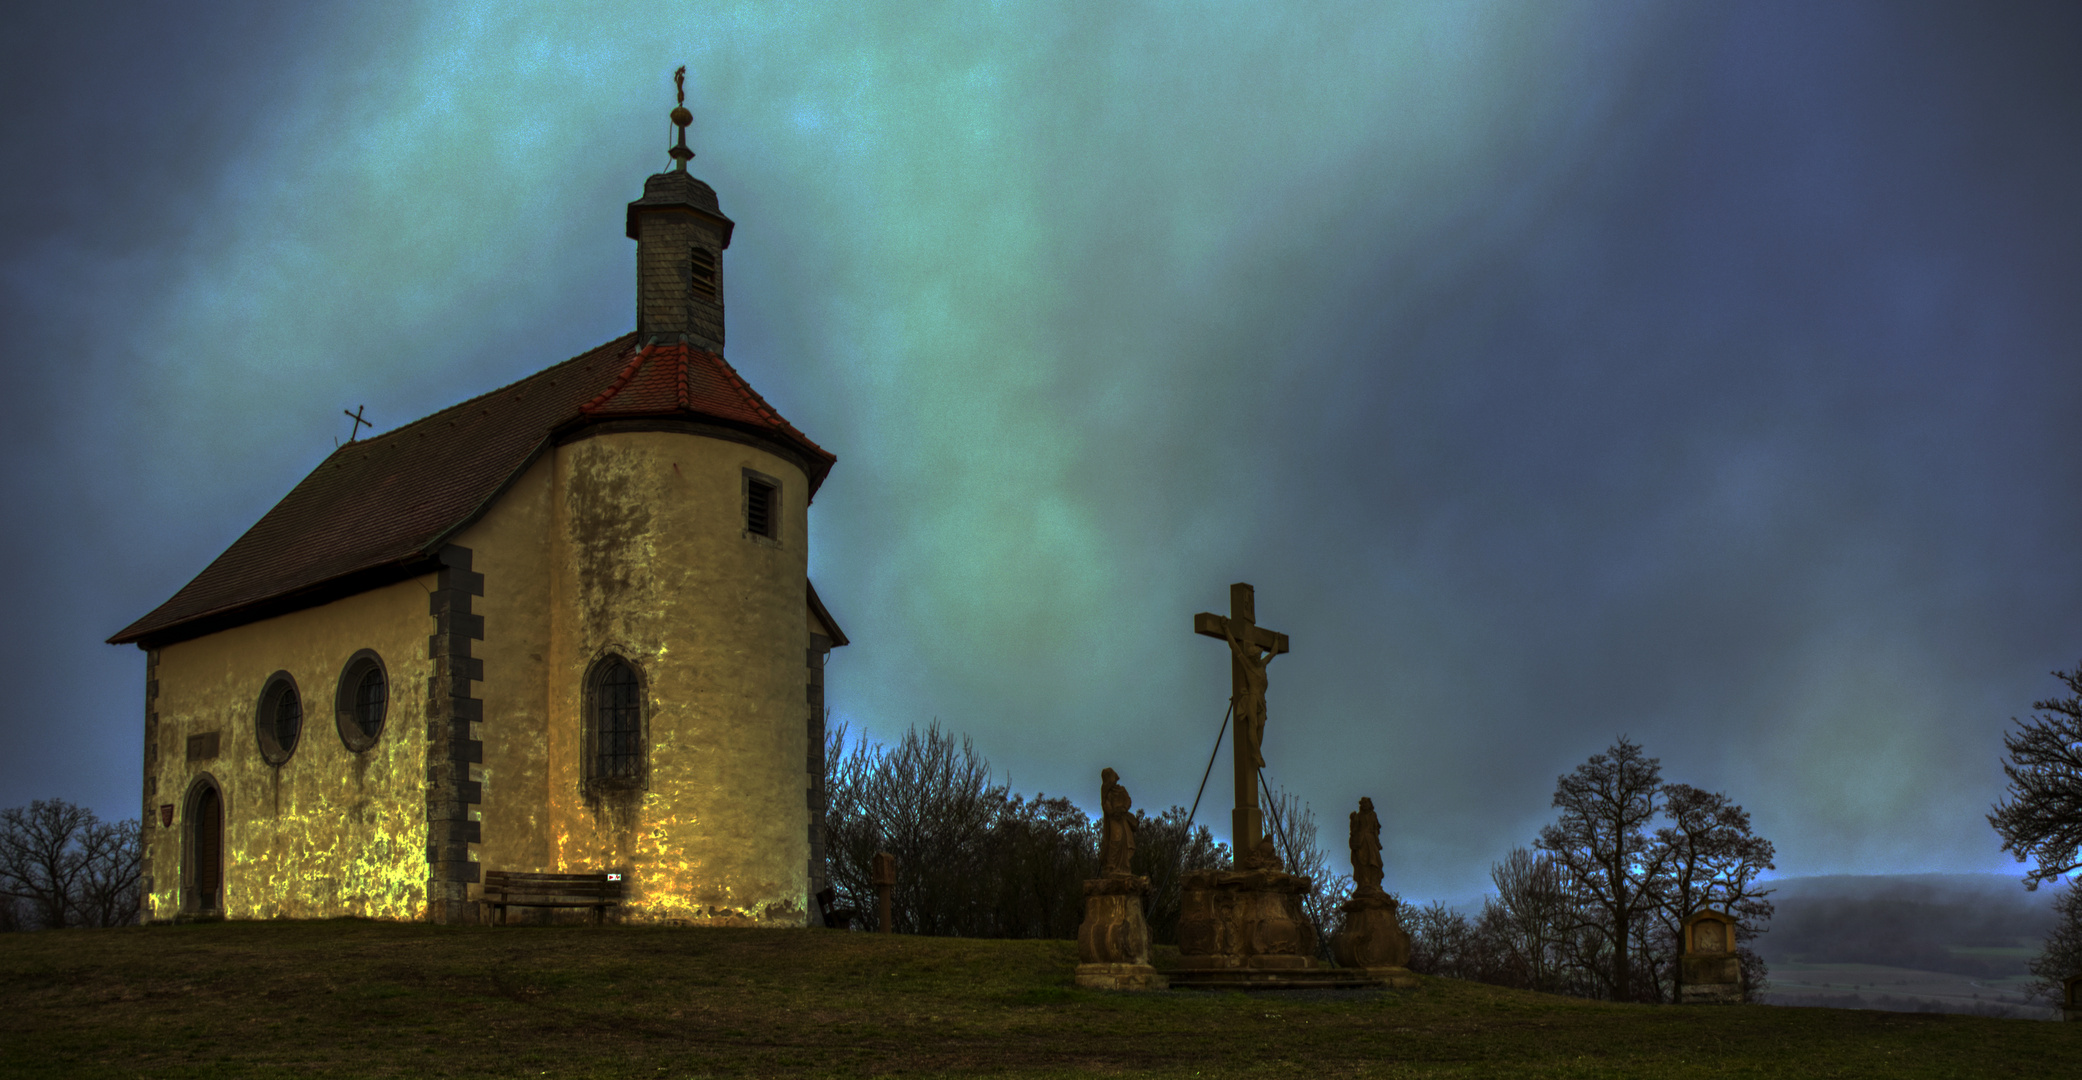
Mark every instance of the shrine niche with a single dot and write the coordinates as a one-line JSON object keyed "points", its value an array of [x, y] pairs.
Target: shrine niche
{"points": [[1710, 970]]}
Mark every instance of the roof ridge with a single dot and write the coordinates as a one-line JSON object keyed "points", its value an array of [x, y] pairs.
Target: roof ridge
{"points": [[606, 346], [765, 410], [628, 372]]}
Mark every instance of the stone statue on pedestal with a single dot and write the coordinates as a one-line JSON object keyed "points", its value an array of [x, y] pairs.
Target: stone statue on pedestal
{"points": [[1366, 850], [1372, 938], [1113, 940], [1116, 827]]}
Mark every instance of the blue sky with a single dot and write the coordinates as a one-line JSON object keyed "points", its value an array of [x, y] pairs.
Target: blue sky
{"points": [[1699, 372]]}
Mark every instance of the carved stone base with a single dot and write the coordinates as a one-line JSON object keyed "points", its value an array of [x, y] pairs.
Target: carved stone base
{"points": [[1711, 979], [1710, 994], [1120, 977], [1248, 919], [1114, 933], [1371, 936]]}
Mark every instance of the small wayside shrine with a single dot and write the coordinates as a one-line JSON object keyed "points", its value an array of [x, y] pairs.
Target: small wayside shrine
{"points": [[558, 641]]}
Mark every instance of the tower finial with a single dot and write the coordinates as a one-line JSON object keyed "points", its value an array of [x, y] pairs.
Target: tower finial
{"points": [[681, 117]]}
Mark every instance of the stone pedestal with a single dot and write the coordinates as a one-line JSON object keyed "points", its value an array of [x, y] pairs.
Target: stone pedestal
{"points": [[1113, 940], [1372, 940], [1248, 919]]}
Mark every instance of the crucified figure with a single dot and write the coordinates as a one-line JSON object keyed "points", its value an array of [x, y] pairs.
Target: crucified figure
{"points": [[1249, 699]]}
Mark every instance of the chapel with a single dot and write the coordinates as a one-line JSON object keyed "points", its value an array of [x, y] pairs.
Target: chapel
{"points": [[563, 627]]}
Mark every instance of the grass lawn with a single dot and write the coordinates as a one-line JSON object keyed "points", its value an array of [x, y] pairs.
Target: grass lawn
{"points": [[351, 998]]}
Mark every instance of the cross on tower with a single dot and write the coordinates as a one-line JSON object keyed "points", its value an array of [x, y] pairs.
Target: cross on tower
{"points": [[1251, 648], [359, 423]]}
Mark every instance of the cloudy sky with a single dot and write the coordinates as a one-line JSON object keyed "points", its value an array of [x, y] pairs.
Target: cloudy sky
{"points": [[1704, 373]]}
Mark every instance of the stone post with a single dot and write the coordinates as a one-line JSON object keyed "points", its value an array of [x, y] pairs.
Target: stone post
{"points": [[883, 869], [2071, 1006]]}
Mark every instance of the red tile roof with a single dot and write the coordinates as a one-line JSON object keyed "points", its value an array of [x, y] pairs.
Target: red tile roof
{"points": [[381, 508]]}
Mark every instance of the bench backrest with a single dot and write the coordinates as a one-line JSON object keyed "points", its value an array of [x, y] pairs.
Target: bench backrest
{"points": [[511, 883]]}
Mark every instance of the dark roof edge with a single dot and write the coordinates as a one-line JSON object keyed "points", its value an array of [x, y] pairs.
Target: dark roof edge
{"points": [[713, 427], [838, 636], [310, 596]]}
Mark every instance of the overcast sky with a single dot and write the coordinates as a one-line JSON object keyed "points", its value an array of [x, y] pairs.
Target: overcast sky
{"points": [[1704, 373]]}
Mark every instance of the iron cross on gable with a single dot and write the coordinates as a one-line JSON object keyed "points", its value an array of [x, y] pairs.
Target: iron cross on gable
{"points": [[359, 423], [1251, 649]]}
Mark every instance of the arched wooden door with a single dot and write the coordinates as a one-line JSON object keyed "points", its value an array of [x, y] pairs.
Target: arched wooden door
{"points": [[206, 848]]}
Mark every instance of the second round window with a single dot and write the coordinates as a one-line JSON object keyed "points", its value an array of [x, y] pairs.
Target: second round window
{"points": [[363, 701]]}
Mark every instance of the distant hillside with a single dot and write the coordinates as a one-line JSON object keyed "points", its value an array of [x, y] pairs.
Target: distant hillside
{"points": [[1976, 925]]}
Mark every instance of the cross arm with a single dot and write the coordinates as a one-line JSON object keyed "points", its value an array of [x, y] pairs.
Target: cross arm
{"points": [[1208, 624]]}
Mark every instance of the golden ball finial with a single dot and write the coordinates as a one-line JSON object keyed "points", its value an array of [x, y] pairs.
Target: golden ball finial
{"points": [[681, 117]]}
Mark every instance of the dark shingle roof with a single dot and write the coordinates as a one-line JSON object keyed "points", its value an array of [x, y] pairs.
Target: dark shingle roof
{"points": [[381, 508]]}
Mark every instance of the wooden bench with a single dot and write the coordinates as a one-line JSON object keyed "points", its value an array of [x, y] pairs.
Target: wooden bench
{"points": [[509, 888]]}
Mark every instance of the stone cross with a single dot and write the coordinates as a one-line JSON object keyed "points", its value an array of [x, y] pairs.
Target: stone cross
{"points": [[1251, 648]]}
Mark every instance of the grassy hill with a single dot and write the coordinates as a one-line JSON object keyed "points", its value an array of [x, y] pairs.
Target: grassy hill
{"points": [[352, 998]]}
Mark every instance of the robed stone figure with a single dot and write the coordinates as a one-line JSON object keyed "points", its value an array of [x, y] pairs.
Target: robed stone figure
{"points": [[1366, 850], [1113, 939], [1116, 826]]}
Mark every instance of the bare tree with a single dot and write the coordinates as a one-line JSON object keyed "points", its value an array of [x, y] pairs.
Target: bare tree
{"points": [[108, 889], [1034, 859], [1531, 913], [40, 860], [2061, 956], [929, 801], [1602, 848], [62, 866], [1710, 858], [2042, 819]]}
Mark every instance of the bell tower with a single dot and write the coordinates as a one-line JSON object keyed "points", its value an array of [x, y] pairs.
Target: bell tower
{"points": [[680, 235]]}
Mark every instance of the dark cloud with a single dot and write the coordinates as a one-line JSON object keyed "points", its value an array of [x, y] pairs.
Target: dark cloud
{"points": [[1698, 373]]}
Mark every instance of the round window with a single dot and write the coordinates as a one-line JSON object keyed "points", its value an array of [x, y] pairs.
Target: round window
{"points": [[363, 701], [280, 719]]}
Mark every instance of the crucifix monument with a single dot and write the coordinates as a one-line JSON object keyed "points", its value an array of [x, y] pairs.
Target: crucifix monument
{"points": [[1251, 649], [1246, 927]]}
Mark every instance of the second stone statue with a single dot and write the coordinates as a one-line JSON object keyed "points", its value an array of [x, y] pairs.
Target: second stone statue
{"points": [[1113, 940]]}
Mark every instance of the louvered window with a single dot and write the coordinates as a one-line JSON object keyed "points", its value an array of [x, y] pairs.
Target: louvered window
{"points": [[703, 278], [760, 506]]}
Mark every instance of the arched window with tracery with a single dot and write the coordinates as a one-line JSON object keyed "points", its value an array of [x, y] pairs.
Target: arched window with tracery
{"points": [[614, 739]]}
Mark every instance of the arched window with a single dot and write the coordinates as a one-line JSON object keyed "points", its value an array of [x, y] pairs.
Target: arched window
{"points": [[615, 739], [362, 701], [279, 721]]}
